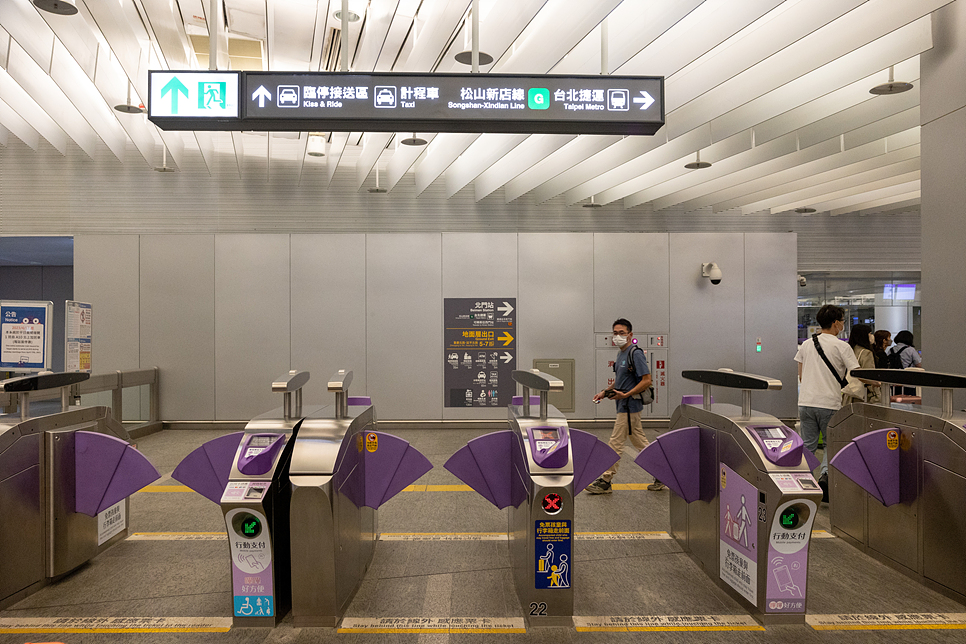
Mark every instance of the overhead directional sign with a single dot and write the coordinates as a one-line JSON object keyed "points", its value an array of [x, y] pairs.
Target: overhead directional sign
{"points": [[193, 95], [385, 102]]}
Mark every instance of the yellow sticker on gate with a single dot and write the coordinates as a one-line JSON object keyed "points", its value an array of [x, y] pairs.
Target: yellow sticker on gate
{"points": [[372, 442], [892, 439], [359, 442]]}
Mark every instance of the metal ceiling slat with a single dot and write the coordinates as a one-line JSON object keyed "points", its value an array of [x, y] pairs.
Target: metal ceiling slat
{"points": [[447, 149], [824, 194], [28, 109], [401, 160], [523, 157], [373, 148], [11, 120], [580, 148], [900, 192], [909, 198], [484, 152]]}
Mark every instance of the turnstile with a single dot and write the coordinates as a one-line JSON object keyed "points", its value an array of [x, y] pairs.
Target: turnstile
{"points": [[65, 479], [744, 496], [300, 502], [897, 481], [535, 469]]}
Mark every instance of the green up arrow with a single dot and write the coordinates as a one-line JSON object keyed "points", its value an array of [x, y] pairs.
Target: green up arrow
{"points": [[174, 86]]}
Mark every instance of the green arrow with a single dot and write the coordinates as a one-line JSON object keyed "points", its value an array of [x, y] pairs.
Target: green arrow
{"points": [[174, 86]]}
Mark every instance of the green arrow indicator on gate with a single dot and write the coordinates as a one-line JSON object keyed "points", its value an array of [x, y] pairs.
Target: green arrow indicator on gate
{"points": [[174, 86]]}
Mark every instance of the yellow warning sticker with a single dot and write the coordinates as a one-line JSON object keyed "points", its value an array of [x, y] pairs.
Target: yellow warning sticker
{"points": [[359, 442], [892, 439], [887, 621], [372, 442]]}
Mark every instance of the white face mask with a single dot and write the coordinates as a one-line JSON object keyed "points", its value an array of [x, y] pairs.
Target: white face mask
{"points": [[620, 340]]}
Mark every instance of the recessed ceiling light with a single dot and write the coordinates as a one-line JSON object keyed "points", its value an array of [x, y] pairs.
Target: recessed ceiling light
{"points": [[316, 145], [697, 164], [592, 203], [60, 7], [804, 211], [414, 141], [466, 57]]}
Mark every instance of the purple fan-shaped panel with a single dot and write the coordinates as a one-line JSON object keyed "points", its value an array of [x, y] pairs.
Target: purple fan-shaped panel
{"points": [[349, 474], [811, 460], [592, 457], [674, 459], [393, 466], [485, 465], [96, 455], [872, 465], [207, 469]]}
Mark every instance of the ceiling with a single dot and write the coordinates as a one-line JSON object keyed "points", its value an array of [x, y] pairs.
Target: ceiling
{"points": [[775, 94]]}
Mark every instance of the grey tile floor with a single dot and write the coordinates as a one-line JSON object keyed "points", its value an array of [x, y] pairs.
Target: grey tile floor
{"points": [[459, 578]]}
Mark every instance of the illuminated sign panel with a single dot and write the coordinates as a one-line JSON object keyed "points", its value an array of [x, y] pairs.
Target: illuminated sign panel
{"points": [[504, 103], [185, 95]]}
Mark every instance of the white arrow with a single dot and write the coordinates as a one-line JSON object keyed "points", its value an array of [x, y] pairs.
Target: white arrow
{"points": [[506, 357], [261, 95], [644, 98], [506, 309]]}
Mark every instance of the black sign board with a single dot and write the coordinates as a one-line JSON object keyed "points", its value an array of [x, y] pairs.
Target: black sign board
{"points": [[480, 351], [499, 103]]}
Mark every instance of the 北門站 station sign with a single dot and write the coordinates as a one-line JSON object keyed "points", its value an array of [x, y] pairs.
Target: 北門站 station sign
{"points": [[335, 101]]}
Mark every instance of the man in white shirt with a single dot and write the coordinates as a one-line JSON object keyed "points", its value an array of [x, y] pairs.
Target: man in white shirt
{"points": [[820, 394]]}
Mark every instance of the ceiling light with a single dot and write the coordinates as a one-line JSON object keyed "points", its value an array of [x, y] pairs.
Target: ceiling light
{"points": [[697, 164], [164, 161], [316, 146], [466, 57], [804, 211], [356, 9], [414, 140], [60, 7], [377, 190], [891, 87], [129, 108], [592, 204]]}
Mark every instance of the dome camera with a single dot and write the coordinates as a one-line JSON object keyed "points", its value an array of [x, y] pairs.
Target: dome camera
{"points": [[802, 281], [712, 272]]}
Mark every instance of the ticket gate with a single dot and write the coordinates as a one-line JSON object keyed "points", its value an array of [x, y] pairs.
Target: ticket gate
{"points": [[535, 469], [741, 480], [299, 489], [65, 479], [897, 481]]}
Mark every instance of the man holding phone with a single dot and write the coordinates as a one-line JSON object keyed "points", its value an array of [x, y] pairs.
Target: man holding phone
{"points": [[631, 379]]}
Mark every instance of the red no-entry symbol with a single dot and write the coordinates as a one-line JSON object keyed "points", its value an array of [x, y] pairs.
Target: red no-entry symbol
{"points": [[552, 503]]}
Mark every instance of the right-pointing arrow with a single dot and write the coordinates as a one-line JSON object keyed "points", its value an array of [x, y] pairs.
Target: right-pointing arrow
{"points": [[506, 357], [261, 95], [645, 99]]}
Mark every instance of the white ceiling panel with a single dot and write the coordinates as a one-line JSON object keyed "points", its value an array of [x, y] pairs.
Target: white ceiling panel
{"points": [[11, 120], [523, 157]]}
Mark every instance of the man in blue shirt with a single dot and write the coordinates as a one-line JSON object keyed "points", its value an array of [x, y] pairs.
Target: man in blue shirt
{"points": [[631, 379]]}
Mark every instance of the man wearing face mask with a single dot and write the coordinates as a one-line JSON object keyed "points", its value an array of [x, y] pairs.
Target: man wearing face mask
{"points": [[631, 379]]}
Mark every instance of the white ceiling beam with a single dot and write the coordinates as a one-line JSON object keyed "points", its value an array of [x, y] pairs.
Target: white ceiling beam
{"points": [[379, 18], [373, 147], [446, 149], [824, 194], [855, 201], [580, 148], [167, 28], [11, 120], [481, 154], [4, 136], [535, 149], [440, 23], [334, 154], [897, 204], [403, 158], [501, 23]]}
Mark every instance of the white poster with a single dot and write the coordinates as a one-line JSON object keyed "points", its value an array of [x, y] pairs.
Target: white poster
{"points": [[77, 347], [111, 521]]}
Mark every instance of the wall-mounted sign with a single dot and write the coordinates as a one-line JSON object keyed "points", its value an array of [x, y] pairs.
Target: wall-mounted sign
{"points": [[480, 351], [25, 334], [193, 95], [77, 337], [500, 103]]}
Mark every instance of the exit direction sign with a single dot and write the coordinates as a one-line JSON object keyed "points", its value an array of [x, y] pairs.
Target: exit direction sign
{"points": [[499, 103], [192, 95]]}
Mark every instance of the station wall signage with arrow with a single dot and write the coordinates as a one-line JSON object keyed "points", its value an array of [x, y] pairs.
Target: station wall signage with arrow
{"points": [[387, 102], [479, 350]]}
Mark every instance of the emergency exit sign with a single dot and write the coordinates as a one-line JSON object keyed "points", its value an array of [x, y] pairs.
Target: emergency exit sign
{"points": [[192, 95]]}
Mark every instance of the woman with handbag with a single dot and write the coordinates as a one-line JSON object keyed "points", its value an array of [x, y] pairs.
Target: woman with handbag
{"points": [[861, 339]]}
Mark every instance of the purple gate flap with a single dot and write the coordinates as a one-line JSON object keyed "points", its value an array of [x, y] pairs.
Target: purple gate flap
{"points": [[358, 401], [107, 470], [591, 458], [207, 469], [349, 476], [674, 459], [871, 465], [694, 399], [392, 466], [484, 465], [811, 460], [518, 400]]}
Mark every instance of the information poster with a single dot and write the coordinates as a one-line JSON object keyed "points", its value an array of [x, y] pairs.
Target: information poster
{"points": [[77, 347], [738, 535], [480, 350], [551, 548], [25, 333]]}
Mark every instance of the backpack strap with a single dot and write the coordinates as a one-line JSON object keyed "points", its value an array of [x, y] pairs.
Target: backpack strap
{"points": [[818, 347]]}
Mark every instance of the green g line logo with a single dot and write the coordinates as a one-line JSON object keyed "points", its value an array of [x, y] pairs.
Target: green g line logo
{"points": [[538, 98]]}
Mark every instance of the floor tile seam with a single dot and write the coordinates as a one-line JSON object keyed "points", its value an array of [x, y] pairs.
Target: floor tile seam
{"points": [[116, 600], [445, 572]]}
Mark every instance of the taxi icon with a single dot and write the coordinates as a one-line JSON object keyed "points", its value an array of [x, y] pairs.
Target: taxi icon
{"points": [[385, 97]]}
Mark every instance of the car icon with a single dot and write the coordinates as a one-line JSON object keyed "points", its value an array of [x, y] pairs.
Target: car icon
{"points": [[288, 96], [385, 97]]}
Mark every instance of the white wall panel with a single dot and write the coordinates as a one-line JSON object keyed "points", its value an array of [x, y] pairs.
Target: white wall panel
{"points": [[478, 265], [707, 320], [771, 300], [556, 307], [631, 281], [106, 269], [252, 323], [177, 307], [404, 325], [329, 311]]}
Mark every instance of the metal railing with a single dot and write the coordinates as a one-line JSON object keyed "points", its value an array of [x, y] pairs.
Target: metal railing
{"points": [[113, 381]]}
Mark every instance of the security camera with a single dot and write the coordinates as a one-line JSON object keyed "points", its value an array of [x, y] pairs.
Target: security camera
{"points": [[712, 272], [802, 281]]}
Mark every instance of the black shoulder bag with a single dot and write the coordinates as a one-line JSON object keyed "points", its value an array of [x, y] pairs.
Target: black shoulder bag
{"points": [[646, 396], [818, 347]]}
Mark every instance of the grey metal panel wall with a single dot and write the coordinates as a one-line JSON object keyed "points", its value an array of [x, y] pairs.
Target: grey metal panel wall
{"points": [[707, 321], [403, 330], [556, 316], [177, 288], [252, 323], [58, 287], [770, 314], [106, 275], [479, 265], [631, 281], [329, 311]]}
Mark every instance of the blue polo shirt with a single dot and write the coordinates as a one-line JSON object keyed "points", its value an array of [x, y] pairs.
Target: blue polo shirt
{"points": [[624, 380]]}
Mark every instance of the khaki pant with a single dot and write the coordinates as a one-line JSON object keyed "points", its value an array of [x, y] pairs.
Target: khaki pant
{"points": [[619, 435]]}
